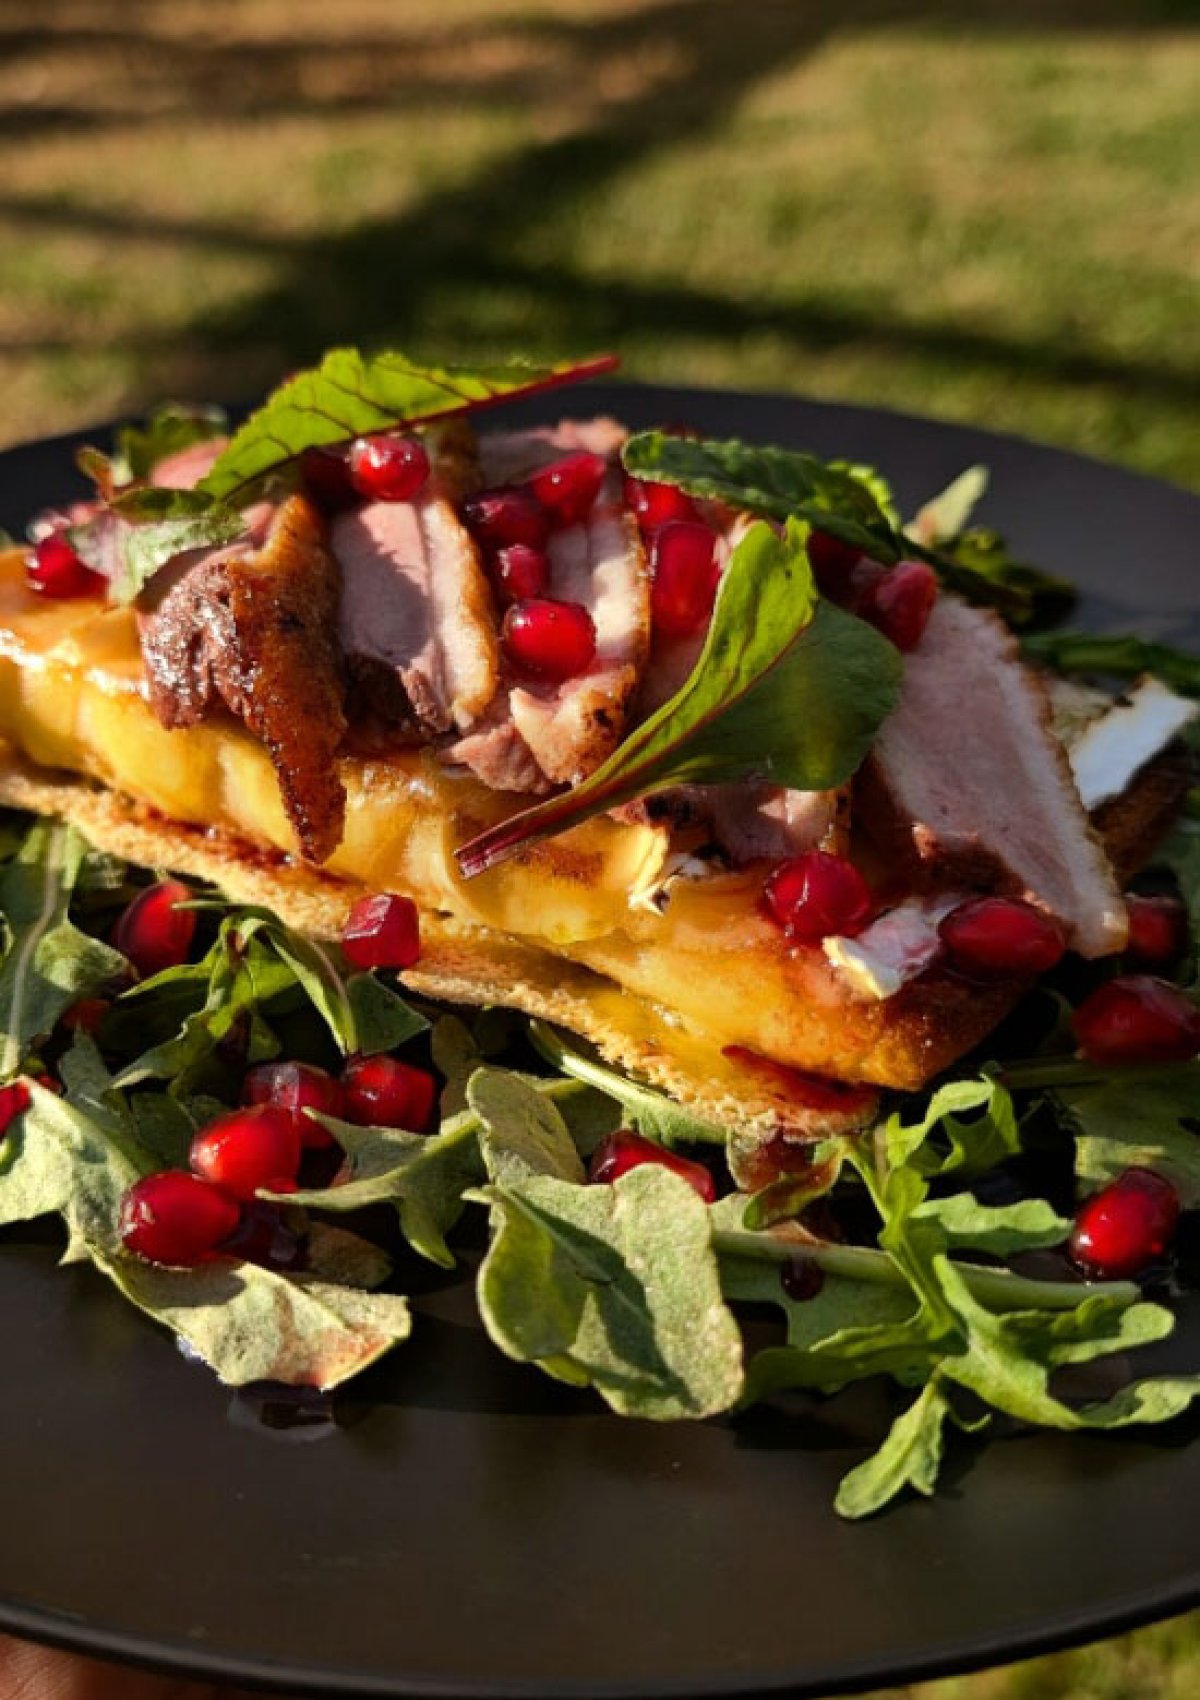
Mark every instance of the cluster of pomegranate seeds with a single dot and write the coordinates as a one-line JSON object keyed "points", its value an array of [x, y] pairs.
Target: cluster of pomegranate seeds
{"points": [[54, 569], [382, 932], [683, 561], [248, 1149], [619, 1152], [326, 475], [567, 488], [1127, 1226], [14, 1101], [388, 468], [899, 601], [1157, 930], [154, 932], [655, 505], [1137, 1019], [816, 895], [384, 1092], [519, 571], [549, 640], [1001, 935], [506, 515], [296, 1087], [176, 1218]]}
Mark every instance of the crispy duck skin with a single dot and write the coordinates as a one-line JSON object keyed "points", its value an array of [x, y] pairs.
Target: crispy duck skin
{"points": [[252, 629]]}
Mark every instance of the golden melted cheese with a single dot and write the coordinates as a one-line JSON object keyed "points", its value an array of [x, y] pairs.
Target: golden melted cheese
{"points": [[72, 696]]}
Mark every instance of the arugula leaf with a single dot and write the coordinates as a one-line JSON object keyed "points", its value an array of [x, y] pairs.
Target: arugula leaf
{"points": [[247, 1323], [351, 394], [1122, 657], [974, 1145], [1147, 1119], [998, 1229], [787, 688], [777, 484], [424, 1176], [978, 564], [166, 431], [49, 964], [647, 1110], [910, 1457], [617, 1286]]}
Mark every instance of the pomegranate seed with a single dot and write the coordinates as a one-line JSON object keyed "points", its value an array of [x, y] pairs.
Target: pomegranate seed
{"points": [[86, 1016], [519, 572], [899, 602], [1157, 930], [1137, 1019], [657, 504], [383, 1092], [326, 475], [154, 932], [1125, 1227], [619, 1152], [296, 1087], [801, 1278], [551, 640], [14, 1101], [833, 563], [249, 1149], [53, 568], [568, 488], [176, 1218], [817, 895], [388, 469], [1001, 935], [510, 515], [382, 932], [683, 558]]}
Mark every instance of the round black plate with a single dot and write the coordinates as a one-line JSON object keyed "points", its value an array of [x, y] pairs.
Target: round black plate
{"points": [[466, 1527]]}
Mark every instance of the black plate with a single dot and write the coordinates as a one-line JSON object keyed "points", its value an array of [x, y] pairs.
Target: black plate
{"points": [[469, 1528]]}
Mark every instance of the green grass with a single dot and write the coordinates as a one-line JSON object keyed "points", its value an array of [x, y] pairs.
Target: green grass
{"points": [[986, 210]]}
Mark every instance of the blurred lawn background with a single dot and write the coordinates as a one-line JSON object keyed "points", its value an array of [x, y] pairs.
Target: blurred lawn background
{"points": [[987, 210]]}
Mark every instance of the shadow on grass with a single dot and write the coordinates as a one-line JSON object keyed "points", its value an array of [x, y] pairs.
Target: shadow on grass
{"points": [[453, 269]]}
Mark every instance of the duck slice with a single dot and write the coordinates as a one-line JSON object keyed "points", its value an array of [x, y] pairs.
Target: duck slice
{"points": [[416, 607], [968, 781], [252, 627], [535, 735]]}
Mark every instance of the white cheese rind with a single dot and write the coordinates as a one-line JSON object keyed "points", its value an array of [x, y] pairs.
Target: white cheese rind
{"points": [[894, 949], [1115, 747]]}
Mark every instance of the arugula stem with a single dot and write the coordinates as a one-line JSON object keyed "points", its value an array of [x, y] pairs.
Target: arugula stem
{"points": [[551, 1048], [998, 1289]]}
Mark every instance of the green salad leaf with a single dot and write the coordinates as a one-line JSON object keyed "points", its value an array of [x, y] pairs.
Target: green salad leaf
{"points": [[49, 963], [788, 688], [166, 431], [247, 1323], [614, 1287], [141, 529], [351, 394], [1138, 1118], [645, 1109], [1118, 656]]}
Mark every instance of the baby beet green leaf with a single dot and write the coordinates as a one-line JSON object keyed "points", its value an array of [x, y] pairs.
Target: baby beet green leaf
{"points": [[140, 530], [50, 964], [616, 1286], [788, 688], [166, 431], [351, 394], [776, 484]]}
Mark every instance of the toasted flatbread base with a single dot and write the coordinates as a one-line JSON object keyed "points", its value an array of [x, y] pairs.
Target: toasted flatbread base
{"points": [[466, 964]]}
